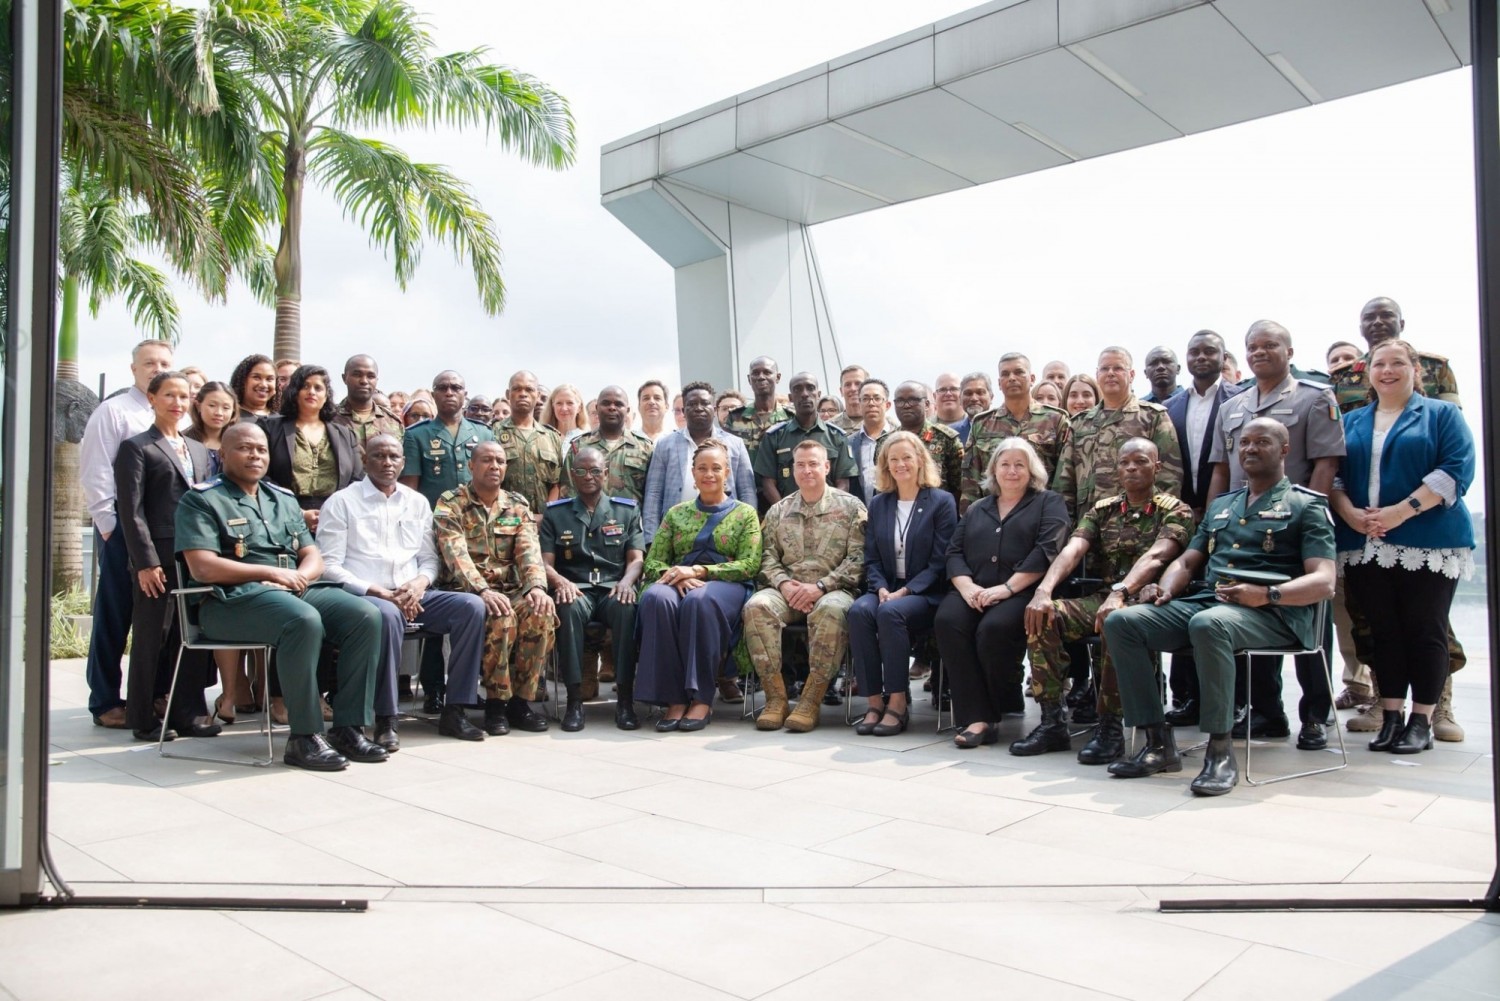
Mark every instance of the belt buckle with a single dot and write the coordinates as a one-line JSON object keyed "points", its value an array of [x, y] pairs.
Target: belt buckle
{"points": [[594, 576]]}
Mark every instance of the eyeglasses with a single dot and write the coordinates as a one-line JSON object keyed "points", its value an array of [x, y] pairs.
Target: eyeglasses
{"points": [[944, 390], [591, 473], [448, 387]]}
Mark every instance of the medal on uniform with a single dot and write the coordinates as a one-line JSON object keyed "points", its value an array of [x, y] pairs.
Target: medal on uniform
{"points": [[239, 547], [1212, 539], [1270, 544]]}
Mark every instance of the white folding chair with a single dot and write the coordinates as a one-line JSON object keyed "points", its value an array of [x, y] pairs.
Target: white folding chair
{"points": [[193, 639]]}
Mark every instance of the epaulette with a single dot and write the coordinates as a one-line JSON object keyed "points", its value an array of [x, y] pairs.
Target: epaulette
{"points": [[1108, 502], [208, 484], [519, 499], [840, 431], [1313, 383], [623, 500], [1429, 356], [1308, 490], [560, 500], [1048, 406], [777, 426], [277, 487], [1148, 405]]}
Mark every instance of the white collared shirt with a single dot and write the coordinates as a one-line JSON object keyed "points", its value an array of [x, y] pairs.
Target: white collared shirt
{"points": [[114, 420], [368, 539], [1199, 406]]}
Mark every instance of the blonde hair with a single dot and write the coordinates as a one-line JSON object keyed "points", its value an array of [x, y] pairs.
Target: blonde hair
{"points": [[580, 418], [1038, 470], [927, 470]]}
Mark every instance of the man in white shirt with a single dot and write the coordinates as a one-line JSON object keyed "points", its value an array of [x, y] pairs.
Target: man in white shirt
{"points": [[377, 541], [117, 418]]}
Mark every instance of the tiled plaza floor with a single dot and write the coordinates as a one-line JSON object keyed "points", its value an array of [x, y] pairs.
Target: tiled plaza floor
{"points": [[732, 863]]}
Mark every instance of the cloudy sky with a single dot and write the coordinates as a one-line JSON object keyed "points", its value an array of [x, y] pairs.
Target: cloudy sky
{"points": [[1300, 218]]}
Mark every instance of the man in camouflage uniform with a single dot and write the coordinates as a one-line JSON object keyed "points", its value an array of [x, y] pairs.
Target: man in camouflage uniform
{"points": [[627, 452], [533, 451], [853, 416], [1086, 463], [359, 410], [750, 422], [1017, 416], [941, 441], [812, 559], [1137, 533], [773, 457], [489, 546], [1381, 320]]}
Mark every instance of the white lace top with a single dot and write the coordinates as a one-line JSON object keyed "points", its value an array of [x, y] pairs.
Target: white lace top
{"points": [[1455, 564]]}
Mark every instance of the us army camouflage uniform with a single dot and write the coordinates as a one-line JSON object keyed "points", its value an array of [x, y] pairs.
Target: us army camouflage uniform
{"points": [[380, 420], [943, 444], [810, 543], [774, 459], [1118, 536], [496, 548], [1046, 428], [746, 424], [1086, 463], [533, 460], [1351, 386], [625, 462]]}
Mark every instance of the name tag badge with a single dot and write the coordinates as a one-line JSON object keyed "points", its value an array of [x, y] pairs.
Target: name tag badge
{"points": [[235, 522], [509, 521], [779, 451], [1283, 410], [1221, 515]]}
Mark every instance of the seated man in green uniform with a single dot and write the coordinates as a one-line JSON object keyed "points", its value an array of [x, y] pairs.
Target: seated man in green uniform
{"points": [[1267, 551], [245, 538], [594, 550]]}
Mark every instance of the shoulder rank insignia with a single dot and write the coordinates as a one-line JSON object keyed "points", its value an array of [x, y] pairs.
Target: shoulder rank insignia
{"points": [[208, 484], [623, 500]]}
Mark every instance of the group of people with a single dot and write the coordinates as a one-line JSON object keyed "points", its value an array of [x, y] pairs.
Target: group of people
{"points": [[972, 532]]}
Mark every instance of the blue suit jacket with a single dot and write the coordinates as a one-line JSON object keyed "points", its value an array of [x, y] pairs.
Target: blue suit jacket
{"points": [[933, 520], [1195, 480]]}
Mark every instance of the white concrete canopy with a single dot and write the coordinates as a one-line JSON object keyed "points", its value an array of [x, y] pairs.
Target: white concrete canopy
{"points": [[726, 193]]}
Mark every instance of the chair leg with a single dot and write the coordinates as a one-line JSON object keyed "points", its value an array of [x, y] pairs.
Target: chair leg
{"points": [[265, 762], [1343, 750], [752, 686]]}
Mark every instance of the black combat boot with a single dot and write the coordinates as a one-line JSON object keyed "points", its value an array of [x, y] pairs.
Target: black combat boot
{"points": [[1050, 735]]}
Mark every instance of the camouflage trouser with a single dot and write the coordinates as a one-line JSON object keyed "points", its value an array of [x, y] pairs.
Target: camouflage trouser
{"points": [[1074, 620], [1362, 638], [515, 649], [767, 612]]}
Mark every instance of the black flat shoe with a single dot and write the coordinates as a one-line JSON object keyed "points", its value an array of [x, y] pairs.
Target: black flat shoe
{"points": [[351, 742], [311, 751], [884, 729], [154, 735], [968, 739], [665, 725], [690, 725], [867, 725]]}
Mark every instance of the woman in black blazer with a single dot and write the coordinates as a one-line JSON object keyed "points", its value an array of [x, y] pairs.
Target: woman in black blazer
{"points": [[911, 521], [310, 455], [1001, 549], [153, 470]]}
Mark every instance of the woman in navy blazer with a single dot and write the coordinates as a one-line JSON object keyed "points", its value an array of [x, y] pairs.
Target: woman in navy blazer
{"points": [[1405, 537], [911, 522]]}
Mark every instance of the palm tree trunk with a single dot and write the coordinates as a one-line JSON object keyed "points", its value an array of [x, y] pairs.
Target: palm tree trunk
{"points": [[67, 492], [288, 337]]}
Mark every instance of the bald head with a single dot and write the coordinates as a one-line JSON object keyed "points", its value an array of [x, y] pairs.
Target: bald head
{"points": [[1270, 427], [1270, 327], [243, 451], [1145, 445]]}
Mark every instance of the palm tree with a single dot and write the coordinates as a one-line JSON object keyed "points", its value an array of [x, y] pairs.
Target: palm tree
{"points": [[326, 67]]}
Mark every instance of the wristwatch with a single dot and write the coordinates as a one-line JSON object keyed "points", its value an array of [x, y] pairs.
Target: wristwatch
{"points": [[1416, 505], [1273, 594], [1119, 588], [821, 586]]}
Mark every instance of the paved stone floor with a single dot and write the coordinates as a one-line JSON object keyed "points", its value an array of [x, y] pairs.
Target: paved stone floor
{"points": [[736, 864]]}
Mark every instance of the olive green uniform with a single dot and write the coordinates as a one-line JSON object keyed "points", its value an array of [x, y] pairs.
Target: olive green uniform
{"points": [[1046, 428], [1118, 536], [773, 458], [380, 420], [808, 543], [750, 426], [943, 444], [626, 460], [1086, 463], [439, 458], [591, 551], [495, 548], [267, 530], [533, 460]]}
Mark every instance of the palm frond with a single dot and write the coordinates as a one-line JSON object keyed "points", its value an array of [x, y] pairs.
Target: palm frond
{"points": [[529, 117], [148, 295]]}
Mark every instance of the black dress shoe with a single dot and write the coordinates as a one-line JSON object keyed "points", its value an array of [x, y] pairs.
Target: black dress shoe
{"points": [[1311, 737], [154, 734], [455, 723], [192, 728], [385, 734], [1221, 772], [433, 704], [311, 751], [1417, 736], [665, 725], [351, 742], [522, 717], [1185, 714], [625, 717], [1107, 743], [495, 722], [1263, 727], [1157, 754], [573, 716], [1392, 725]]}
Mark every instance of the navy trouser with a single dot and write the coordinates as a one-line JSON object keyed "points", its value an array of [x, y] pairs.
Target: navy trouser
{"points": [[880, 638], [114, 602], [683, 639], [458, 616]]}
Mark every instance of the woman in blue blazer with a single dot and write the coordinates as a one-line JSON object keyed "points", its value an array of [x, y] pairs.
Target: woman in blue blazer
{"points": [[911, 522], [1405, 537]]}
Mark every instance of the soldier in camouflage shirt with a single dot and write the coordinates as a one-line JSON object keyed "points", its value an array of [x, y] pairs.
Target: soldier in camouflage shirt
{"points": [[812, 559], [1017, 416], [627, 453], [358, 411], [940, 440], [1136, 534], [489, 546], [1086, 464], [1381, 320], [533, 451]]}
